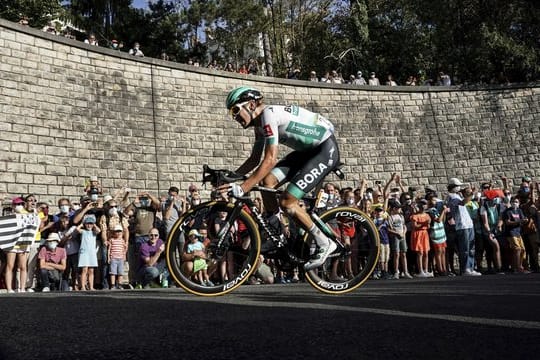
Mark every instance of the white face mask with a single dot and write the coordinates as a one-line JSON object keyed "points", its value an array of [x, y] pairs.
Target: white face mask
{"points": [[113, 211], [196, 202], [76, 207], [19, 208], [64, 209], [51, 245], [350, 202]]}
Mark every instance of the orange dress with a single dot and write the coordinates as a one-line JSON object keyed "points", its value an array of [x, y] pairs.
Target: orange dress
{"points": [[420, 236]]}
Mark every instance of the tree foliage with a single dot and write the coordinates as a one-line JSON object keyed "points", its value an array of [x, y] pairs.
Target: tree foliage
{"points": [[37, 12], [472, 40]]}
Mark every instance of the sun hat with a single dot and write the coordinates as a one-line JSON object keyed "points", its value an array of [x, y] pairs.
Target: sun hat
{"points": [[53, 237], [194, 232]]}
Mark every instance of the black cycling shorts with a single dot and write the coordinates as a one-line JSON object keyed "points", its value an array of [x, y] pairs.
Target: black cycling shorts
{"points": [[304, 170]]}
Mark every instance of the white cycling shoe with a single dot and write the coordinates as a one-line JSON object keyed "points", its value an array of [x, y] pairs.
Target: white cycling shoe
{"points": [[320, 256]]}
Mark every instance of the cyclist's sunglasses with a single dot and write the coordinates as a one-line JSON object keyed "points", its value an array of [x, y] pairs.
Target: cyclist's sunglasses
{"points": [[235, 110]]}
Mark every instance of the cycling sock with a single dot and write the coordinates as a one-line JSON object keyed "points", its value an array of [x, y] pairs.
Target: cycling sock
{"points": [[319, 237]]}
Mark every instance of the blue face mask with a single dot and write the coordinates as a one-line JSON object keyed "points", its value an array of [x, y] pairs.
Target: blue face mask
{"points": [[525, 189], [496, 201]]}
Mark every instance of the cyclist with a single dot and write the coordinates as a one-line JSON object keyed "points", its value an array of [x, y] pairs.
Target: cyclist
{"points": [[315, 155]]}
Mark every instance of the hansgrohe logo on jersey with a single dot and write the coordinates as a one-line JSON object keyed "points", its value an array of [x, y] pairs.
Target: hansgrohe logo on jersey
{"points": [[314, 132]]}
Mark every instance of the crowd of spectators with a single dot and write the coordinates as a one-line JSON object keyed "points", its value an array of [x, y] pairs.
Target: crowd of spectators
{"points": [[254, 67], [103, 241]]}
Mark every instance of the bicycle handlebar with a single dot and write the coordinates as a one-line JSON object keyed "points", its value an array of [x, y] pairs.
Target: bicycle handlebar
{"points": [[220, 177]]}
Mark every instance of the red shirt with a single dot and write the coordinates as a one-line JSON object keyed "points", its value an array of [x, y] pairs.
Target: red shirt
{"points": [[54, 257]]}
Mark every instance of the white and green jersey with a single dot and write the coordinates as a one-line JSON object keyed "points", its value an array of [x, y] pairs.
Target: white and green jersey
{"points": [[293, 126]]}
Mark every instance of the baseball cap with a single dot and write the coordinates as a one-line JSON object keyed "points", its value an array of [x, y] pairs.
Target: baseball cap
{"points": [[89, 219], [85, 198], [455, 181], [118, 227], [93, 178]]}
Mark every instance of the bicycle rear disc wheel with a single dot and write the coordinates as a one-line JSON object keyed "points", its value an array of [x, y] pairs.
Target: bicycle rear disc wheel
{"points": [[339, 275], [227, 265]]}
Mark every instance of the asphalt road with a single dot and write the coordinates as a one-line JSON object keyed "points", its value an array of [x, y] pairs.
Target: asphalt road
{"points": [[489, 317]]}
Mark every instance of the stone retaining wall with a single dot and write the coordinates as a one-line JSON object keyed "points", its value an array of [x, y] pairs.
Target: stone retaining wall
{"points": [[69, 110]]}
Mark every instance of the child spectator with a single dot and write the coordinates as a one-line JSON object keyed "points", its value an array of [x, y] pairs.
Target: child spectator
{"points": [[437, 234], [382, 226], [199, 264], [513, 218], [420, 238], [219, 222], [398, 244], [87, 251], [93, 188], [116, 256]]}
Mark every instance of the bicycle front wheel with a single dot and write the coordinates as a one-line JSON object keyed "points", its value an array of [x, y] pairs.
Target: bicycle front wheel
{"points": [[356, 230], [230, 259]]}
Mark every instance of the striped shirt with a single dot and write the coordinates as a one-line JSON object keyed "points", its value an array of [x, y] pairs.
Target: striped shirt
{"points": [[117, 248]]}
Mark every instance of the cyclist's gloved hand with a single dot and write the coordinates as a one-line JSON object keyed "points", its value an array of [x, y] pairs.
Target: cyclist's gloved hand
{"points": [[236, 190]]}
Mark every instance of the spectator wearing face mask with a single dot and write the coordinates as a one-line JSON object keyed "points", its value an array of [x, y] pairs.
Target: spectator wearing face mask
{"points": [[69, 240], [144, 207], [64, 206], [373, 80], [93, 188], [195, 199], [136, 50], [18, 255], [464, 228], [513, 218], [171, 209], [333, 196], [490, 212], [52, 263]]}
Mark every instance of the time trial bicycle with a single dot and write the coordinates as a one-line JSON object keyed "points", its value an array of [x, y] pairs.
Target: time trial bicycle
{"points": [[238, 234]]}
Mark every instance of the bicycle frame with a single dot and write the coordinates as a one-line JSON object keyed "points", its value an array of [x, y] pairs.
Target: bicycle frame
{"points": [[241, 250], [278, 239]]}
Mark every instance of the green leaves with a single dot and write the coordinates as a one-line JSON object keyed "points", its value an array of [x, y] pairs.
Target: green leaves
{"points": [[471, 40]]}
